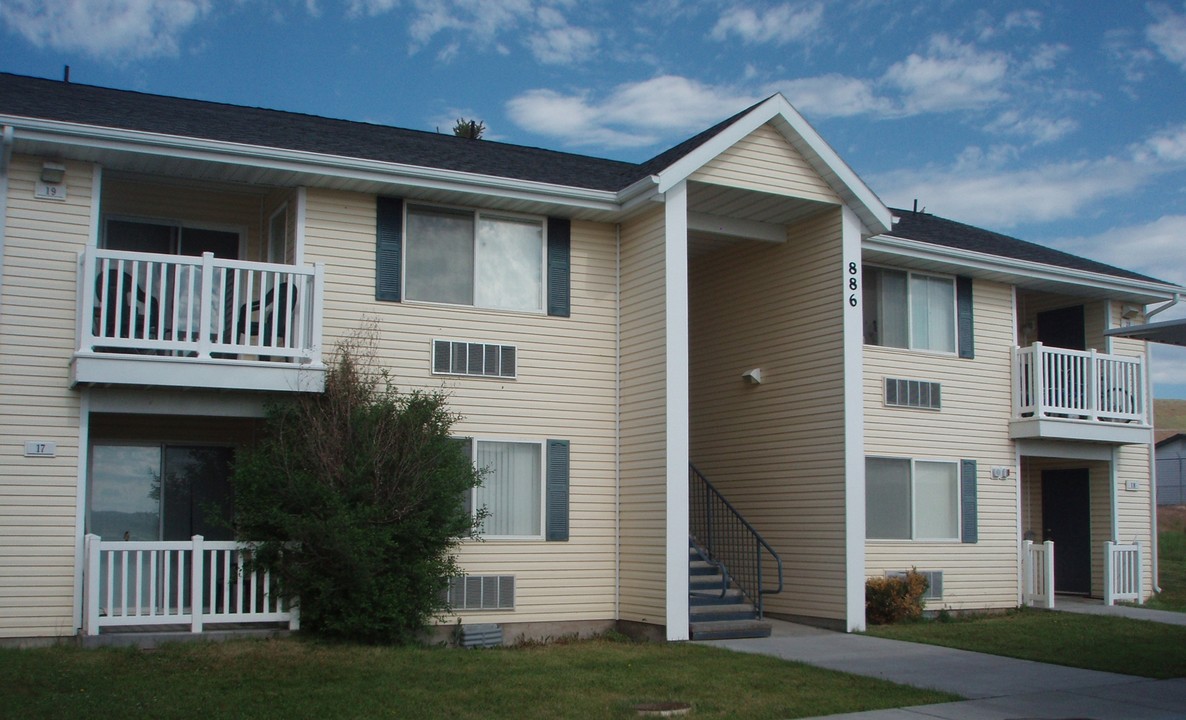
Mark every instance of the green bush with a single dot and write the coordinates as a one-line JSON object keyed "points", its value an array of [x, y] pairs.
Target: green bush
{"points": [[892, 599], [357, 496]]}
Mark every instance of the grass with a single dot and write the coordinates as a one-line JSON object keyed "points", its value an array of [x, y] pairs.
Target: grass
{"points": [[1171, 559], [293, 678], [1095, 642]]}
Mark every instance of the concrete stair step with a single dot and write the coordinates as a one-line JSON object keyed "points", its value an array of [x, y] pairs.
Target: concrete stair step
{"points": [[729, 629]]}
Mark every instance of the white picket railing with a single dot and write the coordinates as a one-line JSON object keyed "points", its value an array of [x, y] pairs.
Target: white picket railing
{"points": [[186, 582], [1122, 572], [1078, 384], [1037, 574], [148, 303]]}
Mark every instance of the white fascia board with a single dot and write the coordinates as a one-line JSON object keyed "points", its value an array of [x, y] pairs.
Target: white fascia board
{"points": [[875, 216], [1020, 268], [173, 146], [736, 227]]}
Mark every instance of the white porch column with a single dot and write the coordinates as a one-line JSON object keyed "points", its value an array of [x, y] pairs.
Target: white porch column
{"points": [[676, 264], [854, 422]]}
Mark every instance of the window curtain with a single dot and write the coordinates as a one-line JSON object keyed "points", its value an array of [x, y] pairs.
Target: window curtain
{"points": [[936, 501], [510, 491], [887, 499], [892, 328], [932, 306]]}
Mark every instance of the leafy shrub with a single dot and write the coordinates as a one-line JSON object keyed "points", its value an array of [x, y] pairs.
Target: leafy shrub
{"points": [[892, 599], [357, 497]]}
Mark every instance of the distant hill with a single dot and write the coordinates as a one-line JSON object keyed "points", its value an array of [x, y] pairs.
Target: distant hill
{"points": [[1169, 418]]}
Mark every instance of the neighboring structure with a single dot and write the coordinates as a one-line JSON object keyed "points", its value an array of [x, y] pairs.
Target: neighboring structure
{"points": [[1171, 468], [869, 396]]}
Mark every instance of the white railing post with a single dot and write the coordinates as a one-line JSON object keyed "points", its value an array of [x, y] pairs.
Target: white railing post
{"points": [[86, 300], [195, 591], [1094, 385], [1048, 574], [1027, 570], [90, 586], [1039, 379], [1137, 574], [205, 297], [1109, 573], [317, 310]]}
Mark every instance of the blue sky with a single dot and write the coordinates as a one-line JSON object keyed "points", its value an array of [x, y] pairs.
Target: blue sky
{"points": [[1060, 122]]}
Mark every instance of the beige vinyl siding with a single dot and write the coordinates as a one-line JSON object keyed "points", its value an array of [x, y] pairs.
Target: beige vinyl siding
{"points": [[217, 207], [766, 162], [38, 496], [973, 424], [776, 450], [643, 504], [565, 390]]}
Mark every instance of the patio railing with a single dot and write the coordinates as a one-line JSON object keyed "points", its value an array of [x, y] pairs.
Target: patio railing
{"points": [[1037, 574], [204, 307], [1078, 385], [188, 582], [1122, 572]]}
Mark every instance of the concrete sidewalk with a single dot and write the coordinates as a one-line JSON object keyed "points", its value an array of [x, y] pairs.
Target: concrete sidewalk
{"points": [[1093, 606], [997, 688]]}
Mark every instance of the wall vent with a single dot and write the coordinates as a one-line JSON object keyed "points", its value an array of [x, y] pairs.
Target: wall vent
{"points": [[481, 592], [481, 636], [912, 394], [457, 357], [934, 582]]}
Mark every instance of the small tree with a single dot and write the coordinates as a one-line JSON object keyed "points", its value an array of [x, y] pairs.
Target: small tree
{"points": [[472, 129], [357, 496]]}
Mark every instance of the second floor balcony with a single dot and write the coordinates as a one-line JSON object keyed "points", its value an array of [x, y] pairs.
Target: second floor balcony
{"points": [[1086, 395], [149, 319]]}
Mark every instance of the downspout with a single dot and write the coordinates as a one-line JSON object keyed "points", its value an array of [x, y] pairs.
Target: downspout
{"points": [[1176, 299], [6, 141], [618, 422]]}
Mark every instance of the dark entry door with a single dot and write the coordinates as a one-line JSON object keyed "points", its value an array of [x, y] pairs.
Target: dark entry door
{"points": [[1063, 328], [1066, 519]]}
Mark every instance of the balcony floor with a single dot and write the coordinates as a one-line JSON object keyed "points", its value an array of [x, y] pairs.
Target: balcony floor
{"points": [[194, 372]]}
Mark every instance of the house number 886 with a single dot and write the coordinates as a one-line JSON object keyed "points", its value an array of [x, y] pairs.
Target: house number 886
{"points": [[852, 284]]}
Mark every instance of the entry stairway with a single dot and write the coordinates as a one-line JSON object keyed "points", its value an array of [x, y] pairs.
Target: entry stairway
{"points": [[717, 608], [728, 565]]}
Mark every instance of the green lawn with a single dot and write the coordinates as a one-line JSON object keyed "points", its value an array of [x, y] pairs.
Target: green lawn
{"points": [[293, 678], [1113, 644], [1171, 559]]}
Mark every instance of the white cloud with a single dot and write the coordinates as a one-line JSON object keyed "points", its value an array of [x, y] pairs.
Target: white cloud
{"points": [[557, 42], [1168, 34], [980, 193], [633, 115], [1039, 129], [780, 24], [1153, 249], [104, 29], [1169, 145], [1168, 370], [832, 96], [477, 21], [370, 8], [1025, 19], [952, 76]]}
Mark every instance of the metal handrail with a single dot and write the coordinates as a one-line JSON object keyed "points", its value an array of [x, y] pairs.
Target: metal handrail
{"points": [[729, 539]]}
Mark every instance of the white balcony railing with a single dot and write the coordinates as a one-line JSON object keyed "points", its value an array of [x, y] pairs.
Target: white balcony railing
{"points": [[189, 582], [1078, 385], [1037, 574], [200, 307]]}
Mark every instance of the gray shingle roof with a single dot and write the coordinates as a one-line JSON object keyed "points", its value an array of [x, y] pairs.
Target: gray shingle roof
{"points": [[104, 107], [935, 230]]}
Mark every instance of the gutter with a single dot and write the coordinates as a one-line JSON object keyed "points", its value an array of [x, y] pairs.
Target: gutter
{"points": [[1177, 298]]}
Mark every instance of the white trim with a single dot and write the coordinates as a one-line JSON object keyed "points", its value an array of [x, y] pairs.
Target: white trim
{"points": [[823, 159], [80, 503], [412, 176], [6, 140], [1114, 495], [676, 329], [985, 262], [617, 422], [854, 424], [1062, 449], [302, 209], [154, 370], [736, 227]]}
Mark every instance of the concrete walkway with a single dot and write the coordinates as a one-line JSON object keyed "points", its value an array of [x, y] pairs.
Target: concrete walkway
{"points": [[1092, 606], [997, 688]]}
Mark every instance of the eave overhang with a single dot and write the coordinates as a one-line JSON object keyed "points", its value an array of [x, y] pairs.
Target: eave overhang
{"points": [[918, 255]]}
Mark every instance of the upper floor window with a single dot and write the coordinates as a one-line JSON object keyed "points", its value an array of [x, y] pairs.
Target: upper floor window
{"points": [[910, 310], [464, 257]]}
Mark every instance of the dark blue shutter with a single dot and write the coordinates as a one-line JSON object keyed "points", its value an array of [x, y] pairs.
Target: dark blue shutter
{"points": [[968, 501], [963, 314], [559, 266], [556, 517], [389, 222]]}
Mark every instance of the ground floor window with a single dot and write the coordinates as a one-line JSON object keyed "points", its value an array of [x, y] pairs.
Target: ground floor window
{"points": [[512, 487], [156, 491], [907, 499]]}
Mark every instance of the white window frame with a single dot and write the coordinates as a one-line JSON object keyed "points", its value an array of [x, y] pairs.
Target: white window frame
{"points": [[543, 482], [477, 214], [959, 500], [910, 312]]}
